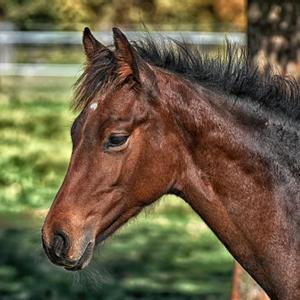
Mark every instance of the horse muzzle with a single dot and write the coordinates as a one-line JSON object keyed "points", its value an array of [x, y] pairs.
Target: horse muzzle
{"points": [[58, 251]]}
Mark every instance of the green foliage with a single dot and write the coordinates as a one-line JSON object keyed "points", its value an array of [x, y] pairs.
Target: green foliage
{"points": [[164, 14], [25, 13]]}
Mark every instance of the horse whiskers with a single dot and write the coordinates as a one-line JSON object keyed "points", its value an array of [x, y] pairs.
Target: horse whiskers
{"points": [[90, 278]]}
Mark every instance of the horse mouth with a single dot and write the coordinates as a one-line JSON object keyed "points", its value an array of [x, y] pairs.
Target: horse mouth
{"points": [[84, 259], [88, 252]]}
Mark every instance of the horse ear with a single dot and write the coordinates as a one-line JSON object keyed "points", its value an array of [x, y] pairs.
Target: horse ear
{"points": [[90, 44], [126, 56]]}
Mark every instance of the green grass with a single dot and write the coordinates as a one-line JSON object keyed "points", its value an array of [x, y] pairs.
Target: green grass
{"points": [[170, 255]]}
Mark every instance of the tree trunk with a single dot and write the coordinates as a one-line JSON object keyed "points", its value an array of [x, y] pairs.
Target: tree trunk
{"points": [[236, 282], [244, 287], [274, 35], [273, 41]]}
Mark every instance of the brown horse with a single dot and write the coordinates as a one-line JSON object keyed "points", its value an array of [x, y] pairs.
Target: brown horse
{"points": [[163, 118]]}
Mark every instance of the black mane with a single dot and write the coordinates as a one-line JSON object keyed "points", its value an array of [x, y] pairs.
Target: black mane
{"points": [[230, 73]]}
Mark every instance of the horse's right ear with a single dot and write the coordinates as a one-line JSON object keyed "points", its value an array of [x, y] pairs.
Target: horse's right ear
{"points": [[90, 44]]}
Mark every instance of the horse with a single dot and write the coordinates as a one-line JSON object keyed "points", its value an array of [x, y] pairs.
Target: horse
{"points": [[163, 118]]}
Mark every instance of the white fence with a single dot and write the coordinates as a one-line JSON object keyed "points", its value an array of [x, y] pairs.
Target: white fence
{"points": [[11, 39]]}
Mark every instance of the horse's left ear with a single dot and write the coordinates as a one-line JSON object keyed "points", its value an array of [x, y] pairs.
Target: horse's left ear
{"points": [[90, 44], [126, 57]]}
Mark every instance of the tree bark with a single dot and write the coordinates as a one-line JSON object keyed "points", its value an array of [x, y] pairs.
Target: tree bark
{"points": [[244, 287], [274, 35], [273, 42], [236, 282]]}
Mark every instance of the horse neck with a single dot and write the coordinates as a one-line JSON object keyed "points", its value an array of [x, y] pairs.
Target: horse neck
{"points": [[228, 183]]}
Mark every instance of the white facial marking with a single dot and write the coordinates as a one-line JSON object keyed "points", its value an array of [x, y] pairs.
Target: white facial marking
{"points": [[94, 106]]}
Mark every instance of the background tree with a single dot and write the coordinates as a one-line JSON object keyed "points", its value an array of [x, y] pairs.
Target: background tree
{"points": [[274, 33], [206, 15]]}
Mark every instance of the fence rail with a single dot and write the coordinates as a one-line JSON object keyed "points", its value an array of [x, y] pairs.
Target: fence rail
{"points": [[11, 39]]}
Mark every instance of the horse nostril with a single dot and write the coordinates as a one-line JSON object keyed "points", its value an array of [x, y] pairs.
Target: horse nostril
{"points": [[60, 244]]}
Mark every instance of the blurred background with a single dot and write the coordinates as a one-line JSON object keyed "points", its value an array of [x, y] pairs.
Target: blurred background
{"points": [[169, 255]]}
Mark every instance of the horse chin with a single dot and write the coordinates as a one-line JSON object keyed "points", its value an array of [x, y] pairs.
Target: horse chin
{"points": [[84, 259], [108, 231], [115, 225]]}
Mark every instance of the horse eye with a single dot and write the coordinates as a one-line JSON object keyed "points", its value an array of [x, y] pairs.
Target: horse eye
{"points": [[117, 140]]}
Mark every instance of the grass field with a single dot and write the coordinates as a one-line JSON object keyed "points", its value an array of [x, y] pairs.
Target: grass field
{"points": [[169, 255], [35, 143]]}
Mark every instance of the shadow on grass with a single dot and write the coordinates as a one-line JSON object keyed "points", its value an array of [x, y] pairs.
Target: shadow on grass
{"points": [[161, 257]]}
